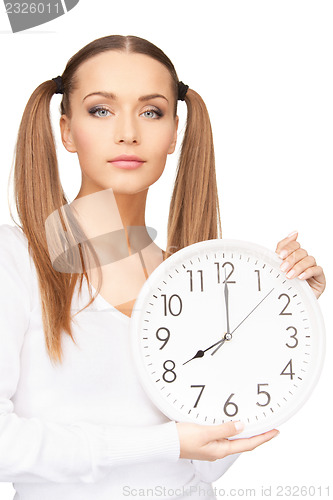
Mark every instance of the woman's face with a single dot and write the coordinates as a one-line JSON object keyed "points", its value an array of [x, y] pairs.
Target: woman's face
{"points": [[127, 123]]}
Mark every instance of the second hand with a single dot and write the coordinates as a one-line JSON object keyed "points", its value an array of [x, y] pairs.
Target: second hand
{"points": [[243, 320]]}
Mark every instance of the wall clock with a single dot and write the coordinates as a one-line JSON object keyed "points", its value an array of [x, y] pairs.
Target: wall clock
{"points": [[218, 333]]}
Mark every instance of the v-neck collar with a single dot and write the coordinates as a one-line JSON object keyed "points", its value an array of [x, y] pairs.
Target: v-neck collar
{"points": [[103, 305]]}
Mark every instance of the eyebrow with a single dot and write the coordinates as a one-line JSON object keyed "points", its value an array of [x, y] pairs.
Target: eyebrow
{"points": [[110, 95]]}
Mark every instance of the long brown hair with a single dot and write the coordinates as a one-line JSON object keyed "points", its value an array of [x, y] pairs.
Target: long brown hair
{"points": [[194, 209]]}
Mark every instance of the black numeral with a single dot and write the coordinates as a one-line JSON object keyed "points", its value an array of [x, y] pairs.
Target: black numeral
{"points": [[266, 394], [160, 338], [258, 271], [202, 388], [170, 305], [191, 279], [287, 304], [169, 370], [223, 265], [290, 373], [230, 408], [293, 337]]}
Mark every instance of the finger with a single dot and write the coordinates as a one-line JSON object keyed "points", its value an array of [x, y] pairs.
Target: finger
{"points": [[312, 272], [291, 237], [248, 444], [288, 249], [292, 259], [302, 266]]}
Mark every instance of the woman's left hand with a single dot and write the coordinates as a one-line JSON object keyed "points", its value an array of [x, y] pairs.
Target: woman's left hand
{"points": [[297, 263]]}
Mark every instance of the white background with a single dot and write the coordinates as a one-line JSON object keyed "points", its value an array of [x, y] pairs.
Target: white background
{"points": [[264, 69]]}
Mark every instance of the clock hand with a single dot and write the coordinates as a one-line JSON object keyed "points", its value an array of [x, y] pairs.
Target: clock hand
{"points": [[252, 311], [228, 335], [200, 353], [226, 299], [244, 320]]}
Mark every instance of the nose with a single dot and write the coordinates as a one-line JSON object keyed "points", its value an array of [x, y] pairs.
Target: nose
{"points": [[126, 129]]}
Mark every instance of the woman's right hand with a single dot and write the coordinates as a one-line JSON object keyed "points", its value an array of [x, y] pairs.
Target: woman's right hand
{"points": [[210, 442]]}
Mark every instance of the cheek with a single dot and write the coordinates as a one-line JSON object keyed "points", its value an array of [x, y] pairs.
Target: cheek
{"points": [[160, 143], [159, 152], [86, 142]]}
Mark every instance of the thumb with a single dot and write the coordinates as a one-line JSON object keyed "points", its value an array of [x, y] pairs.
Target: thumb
{"points": [[224, 430]]}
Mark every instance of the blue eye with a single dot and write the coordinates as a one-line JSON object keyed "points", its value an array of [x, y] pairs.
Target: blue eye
{"points": [[156, 111], [95, 109]]}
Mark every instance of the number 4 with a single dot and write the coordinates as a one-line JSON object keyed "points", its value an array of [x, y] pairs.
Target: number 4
{"points": [[290, 373]]}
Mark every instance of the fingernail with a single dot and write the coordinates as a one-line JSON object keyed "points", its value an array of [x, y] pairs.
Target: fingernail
{"points": [[301, 276], [283, 254], [284, 266], [291, 274], [292, 234], [239, 426]]}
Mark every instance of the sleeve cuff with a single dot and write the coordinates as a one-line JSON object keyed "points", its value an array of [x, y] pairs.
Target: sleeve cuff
{"points": [[117, 445]]}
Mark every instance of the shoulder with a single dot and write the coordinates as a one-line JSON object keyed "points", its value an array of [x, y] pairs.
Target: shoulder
{"points": [[14, 253], [12, 239], [11, 231]]}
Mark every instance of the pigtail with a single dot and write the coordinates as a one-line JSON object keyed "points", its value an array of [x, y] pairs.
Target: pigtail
{"points": [[38, 193], [194, 208]]}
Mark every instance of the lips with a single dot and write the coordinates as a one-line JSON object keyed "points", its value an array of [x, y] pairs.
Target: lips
{"points": [[127, 161], [127, 158]]}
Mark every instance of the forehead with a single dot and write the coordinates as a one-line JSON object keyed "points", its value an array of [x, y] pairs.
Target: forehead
{"points": [[119, 72]]}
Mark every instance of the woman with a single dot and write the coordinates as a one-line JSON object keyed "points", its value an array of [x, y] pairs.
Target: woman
{"points": [[82, 426]]}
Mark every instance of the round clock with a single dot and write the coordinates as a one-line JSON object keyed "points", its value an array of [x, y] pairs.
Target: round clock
{"points": [[218, 333]]}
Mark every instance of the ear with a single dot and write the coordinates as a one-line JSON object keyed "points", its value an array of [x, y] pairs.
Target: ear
{"points": [[66, 135], [174, 140]]}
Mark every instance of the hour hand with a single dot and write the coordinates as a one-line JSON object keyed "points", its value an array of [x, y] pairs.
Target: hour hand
{"points": [[200, 353]]}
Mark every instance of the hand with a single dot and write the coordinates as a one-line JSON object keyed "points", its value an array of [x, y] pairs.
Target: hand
{"points": [[210, 442], [296, 262]]}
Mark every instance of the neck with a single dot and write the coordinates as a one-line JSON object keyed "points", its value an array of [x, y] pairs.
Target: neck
{"points": [[131, 208], [107, 216]]}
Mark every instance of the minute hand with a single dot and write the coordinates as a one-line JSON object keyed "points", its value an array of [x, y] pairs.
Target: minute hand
{"points": [[244, 319], [226, 299]]}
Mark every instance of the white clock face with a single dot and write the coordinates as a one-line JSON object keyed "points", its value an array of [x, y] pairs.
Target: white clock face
{"points": [[219, 333]]}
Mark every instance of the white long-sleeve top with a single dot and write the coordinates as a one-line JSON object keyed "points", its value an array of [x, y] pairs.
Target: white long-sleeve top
{"points": [[84, 429]]}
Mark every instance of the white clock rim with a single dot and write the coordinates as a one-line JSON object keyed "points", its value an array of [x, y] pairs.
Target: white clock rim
{"points": [[224, 244]]}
